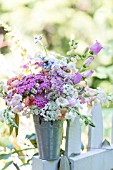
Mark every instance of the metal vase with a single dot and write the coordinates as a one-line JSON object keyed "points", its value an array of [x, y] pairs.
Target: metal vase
{"points": [[49, 137]]}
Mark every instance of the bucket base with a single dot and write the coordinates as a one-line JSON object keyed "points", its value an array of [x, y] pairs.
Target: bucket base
{"points": [[46, 159]]}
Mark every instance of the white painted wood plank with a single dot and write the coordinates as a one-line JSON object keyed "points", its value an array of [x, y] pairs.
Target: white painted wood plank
{"points": [[73, 144], [95, 135], [100, 159], [39, 164], [112, 131]]}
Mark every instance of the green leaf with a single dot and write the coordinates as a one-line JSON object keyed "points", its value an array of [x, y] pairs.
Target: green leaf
{"points": [[7, 165], [82, 146], [31, 137], [5, 156], [17, 123], [10, 129], [105, 143]]}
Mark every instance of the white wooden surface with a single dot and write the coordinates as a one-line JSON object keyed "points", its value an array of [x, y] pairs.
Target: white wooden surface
{"points": [[93, 160], [74, 138], [39, 164], [96, 133], [112, 131]]}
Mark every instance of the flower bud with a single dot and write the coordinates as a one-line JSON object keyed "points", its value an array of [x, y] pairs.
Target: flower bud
{"points": [[37, 38], [95, 48], [77, 78], [88, 73], [88, 61]]}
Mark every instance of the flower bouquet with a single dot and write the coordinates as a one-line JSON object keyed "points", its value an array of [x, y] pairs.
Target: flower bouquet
{"points": [[52, 89]]}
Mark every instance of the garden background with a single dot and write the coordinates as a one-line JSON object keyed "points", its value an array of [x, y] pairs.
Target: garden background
{"points": [[57, 20]]}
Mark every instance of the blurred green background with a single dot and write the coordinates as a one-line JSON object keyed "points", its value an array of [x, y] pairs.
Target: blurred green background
{"points": [[58, 20]]}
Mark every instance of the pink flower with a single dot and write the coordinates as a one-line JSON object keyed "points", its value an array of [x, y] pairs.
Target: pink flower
{"points": [[95, 48], [82, 100], [25, 66], [77, 78], [88, 61], [88, 73], [72, 102], [90, 91]]}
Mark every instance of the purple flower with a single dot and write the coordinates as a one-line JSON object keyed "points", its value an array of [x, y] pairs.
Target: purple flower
{"points": [[10, 94], [72, 102], [88, 61], [25, 66], [21, 90], [41, 101], [95, 48], [77, 78], [88, 73]]}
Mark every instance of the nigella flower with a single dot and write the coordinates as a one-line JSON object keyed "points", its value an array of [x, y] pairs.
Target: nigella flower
{"points": [[43, 57], [95, 48]]}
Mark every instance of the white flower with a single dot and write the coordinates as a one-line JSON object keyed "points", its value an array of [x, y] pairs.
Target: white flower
{"points": [[1, 115], [101, 97], [69, 90], [7, 121], [18, 108], [5, 88], [71, 66], [62, 101], [11, 115], [71, 115], [17, 98], [51, 115]]}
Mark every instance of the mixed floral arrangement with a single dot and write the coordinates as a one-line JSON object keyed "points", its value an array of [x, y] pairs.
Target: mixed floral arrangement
{"points": [[51, 86]]}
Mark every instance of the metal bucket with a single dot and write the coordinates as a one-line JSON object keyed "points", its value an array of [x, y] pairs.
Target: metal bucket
{"points": [[49, 136]]}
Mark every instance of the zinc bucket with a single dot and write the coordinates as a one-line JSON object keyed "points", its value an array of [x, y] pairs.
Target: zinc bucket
{"points": [[49, 137]]}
